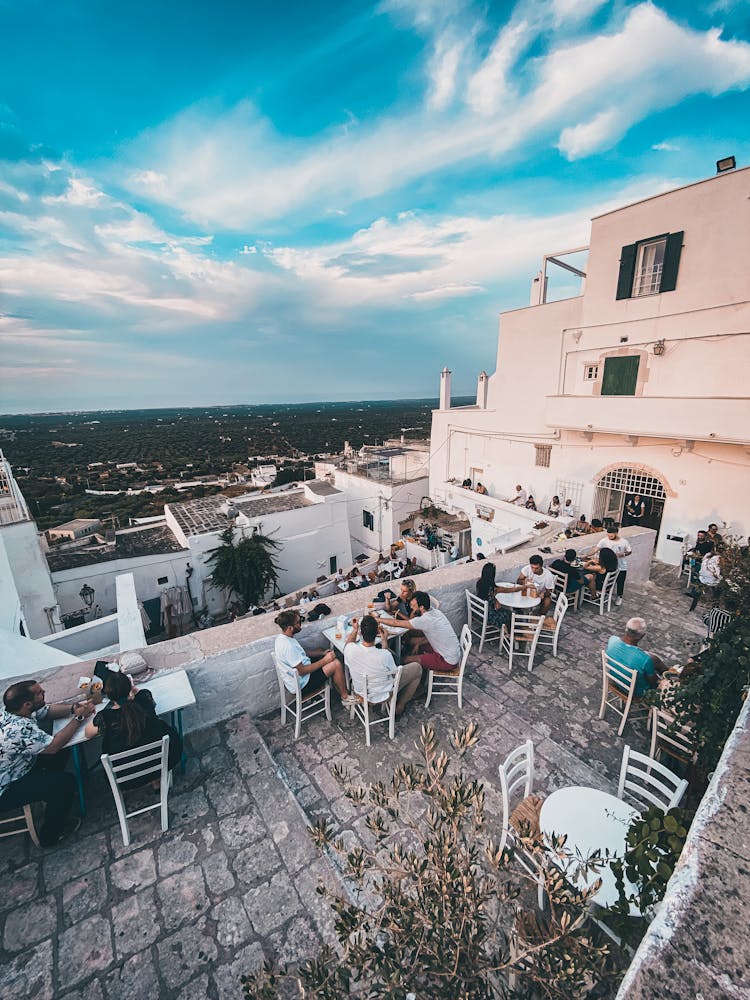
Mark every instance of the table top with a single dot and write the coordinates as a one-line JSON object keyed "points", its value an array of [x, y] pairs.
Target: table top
{"points": [[330, 633], [516, 599], [171, 692], [591, 819]]}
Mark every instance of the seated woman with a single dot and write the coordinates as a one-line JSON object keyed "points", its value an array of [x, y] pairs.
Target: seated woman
{"points": [[129, 721], [497, 616], [531, 503], [554, 506], [595, 571]]}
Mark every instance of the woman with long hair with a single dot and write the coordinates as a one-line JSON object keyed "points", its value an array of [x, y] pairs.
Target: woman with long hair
{"points": [[596, 569], [497, 616], [130, 721]]}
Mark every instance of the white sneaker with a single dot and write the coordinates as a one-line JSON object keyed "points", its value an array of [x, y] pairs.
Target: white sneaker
{"points": [[349, 701], [618, 602]]}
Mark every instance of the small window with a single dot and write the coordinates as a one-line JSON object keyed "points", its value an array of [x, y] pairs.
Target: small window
{"points": [[163, 579], [368, 520], [649, 265], [543, 455], [333, 564], [590, 373]]}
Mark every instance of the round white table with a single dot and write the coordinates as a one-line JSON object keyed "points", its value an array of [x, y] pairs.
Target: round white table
{"points": [[516, 599], [591, 819]]}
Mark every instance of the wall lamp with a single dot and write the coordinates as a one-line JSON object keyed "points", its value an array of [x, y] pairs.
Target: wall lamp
{"points": [[659, 348], [86, 594]]}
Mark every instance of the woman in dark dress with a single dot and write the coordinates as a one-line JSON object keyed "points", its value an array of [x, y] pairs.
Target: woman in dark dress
{"points": [[130, 720], [497, 616], [596, 571]]}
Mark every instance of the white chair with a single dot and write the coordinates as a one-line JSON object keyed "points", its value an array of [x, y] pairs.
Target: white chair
{"points": [[122, 768], [677, 742], [517, 774], [478, 612], [605, 595], [524, 634], [21, 821], [305, 706], [451, 682], [362, 707], [618, 689], [550, 633], [648, 782]]}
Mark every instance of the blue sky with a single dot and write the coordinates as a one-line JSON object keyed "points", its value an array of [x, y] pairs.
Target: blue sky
{"points": [[250, 202]]}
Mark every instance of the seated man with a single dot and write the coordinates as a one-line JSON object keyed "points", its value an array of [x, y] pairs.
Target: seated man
{"points": [[314, 669], [567, 566], [481, 490], [440, 650], [519, 496], [568, 509], [625, 651], [703, 544], [365, 660], [534, 574], [31, 766]]}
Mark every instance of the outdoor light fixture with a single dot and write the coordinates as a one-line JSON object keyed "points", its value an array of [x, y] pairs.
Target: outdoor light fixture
{"points": [[659, 348], [86, 594], [728, 163]]}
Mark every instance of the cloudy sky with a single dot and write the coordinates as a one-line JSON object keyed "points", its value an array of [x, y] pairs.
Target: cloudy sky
{"points": [[234, 202]]}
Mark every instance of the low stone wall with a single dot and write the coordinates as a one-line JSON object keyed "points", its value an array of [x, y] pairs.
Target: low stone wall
{"points": [[230, 666], [698, 945]]}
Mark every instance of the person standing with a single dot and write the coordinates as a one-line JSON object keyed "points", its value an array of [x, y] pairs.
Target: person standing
{"points": [[31, 764], [635, 509], [622, 550]]}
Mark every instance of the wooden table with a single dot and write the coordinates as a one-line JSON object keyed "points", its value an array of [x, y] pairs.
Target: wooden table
{"points": [[171, 692], [591, 819]]}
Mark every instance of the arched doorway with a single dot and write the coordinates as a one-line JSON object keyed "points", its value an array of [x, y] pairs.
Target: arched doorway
{"points": [[630, 495]]}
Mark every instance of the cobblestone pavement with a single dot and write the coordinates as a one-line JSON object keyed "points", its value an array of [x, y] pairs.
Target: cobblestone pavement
{"points": [[182, 915]]}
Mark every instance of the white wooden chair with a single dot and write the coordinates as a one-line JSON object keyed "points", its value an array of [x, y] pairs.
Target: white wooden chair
{"points": [[121, 768], [647, 782], [477, 613], [362, 708], [517, 775], [21, 820], [551, 632], [305, 706], [451, 682], [524, 633], [677, 742], [605, 595], [618, 689]]}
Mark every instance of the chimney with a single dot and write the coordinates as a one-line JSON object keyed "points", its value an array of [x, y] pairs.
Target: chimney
{"points": [[445, 389], [482, 385]]}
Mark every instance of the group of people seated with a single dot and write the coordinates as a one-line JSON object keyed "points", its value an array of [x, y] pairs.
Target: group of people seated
{"points": [[33, 762]]}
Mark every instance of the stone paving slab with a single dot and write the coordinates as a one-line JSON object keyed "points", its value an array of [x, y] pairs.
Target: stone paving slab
{"points": [[183, 914]]}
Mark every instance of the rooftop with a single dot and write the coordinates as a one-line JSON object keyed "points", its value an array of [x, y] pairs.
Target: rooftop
{"points": [[76, 524], [129, 544], [321, 488], [199, 517], [185, 913]]}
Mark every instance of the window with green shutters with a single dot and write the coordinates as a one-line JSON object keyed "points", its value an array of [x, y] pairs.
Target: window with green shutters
{"points": [[620, 376], [649, 266]]}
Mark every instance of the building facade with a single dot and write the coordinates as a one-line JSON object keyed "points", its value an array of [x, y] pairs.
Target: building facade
{"points": [[631, 399]]}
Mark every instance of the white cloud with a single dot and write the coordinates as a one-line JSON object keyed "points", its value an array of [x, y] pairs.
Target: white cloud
{"points": [[666, 147], [599, 133], [490, 85], [443, 73], [569, 11], [447, 292]]}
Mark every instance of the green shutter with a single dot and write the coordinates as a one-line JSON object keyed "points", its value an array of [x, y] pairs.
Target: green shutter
{"points": [[627, 272], [620, 376], [672, 253]]}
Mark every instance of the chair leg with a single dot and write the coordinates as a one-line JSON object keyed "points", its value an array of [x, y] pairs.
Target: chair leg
{"points": [[30, 825], [603, 706], [328, 700], [298, 717], [124, 828], [366, 712], [461, 693], [429, 689]]}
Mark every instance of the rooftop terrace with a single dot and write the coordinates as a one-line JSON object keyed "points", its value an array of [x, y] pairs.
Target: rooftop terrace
{"points": [[182, 915], [199, 517]]}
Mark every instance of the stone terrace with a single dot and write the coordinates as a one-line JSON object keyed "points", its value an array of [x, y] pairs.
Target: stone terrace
{"points": [[182, 915]]}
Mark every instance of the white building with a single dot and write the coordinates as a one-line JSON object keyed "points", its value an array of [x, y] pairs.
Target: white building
{"points": [[79, 527], [309, 523], [639, 385], [381, 486]]}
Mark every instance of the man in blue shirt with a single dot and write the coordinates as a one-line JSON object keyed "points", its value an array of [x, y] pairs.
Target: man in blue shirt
{"points": [[625, 651]]}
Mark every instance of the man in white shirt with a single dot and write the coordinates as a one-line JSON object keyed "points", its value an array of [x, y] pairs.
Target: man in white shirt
{"points": [[442, 651], [519, 498], [568, 509], [542, 579], [365, 661], [622, 550], [295, 662]]}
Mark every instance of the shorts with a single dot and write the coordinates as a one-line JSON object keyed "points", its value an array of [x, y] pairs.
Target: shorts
{"points": [[315, 681], [435, 662]]}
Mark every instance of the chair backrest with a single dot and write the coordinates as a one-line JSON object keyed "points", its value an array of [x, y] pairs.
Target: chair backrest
{"points": [[516, 772], [561, 606], [561, 580], [477, 609], [666, 735], [464, 642], [648, 782], [523, 626], [150, 759], [617, 673], [608, 586], [281, 676]]}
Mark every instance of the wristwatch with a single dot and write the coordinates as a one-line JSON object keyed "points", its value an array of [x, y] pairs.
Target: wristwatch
{"points": [[79, 718]]}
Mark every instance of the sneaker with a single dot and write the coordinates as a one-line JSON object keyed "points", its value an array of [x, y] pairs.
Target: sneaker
{"points": [[349, 701], [618, 602]]}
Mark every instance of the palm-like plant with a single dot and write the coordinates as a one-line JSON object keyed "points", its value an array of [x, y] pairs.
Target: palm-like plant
{"points": [[248, 569]]}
